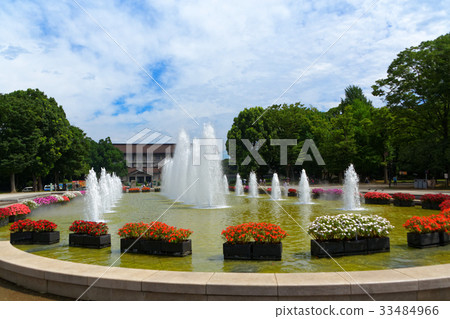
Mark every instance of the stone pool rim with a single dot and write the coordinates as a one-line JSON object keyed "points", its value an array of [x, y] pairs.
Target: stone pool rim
{"points": [[70, 279]]}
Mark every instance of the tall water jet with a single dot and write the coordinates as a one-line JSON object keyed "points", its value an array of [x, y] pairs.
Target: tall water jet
{"points": [[352, 200], [225, 185], [101, 195], [239, 191], [191, 176], [253, 186], [304, 192], [276, 190]]}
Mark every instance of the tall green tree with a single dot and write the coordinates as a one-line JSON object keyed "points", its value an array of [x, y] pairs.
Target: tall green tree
{"points": [[417, 89], [104, 155], [20, 135]]}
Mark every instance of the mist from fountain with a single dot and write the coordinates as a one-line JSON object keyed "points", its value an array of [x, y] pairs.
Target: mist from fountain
{"points": [[101, 195], [226, 190], [304, 191], [276, 190], [351, 195], [239, 189], [253, 186], [203, 182]]}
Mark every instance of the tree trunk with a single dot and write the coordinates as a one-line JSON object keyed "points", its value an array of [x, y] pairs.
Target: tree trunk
{"points": [[13, 182], [35, 185], [56, 181], [40, 184]]}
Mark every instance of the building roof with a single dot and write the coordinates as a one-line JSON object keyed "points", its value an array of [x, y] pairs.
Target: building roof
{"points": [[141, 148]]}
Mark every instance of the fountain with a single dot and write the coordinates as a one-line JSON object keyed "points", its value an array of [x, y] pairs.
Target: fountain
{"points": [[351, 190], [253, 186], [276, 191], [225, 185], [304, 192], [101, 195], [191, 177], [239, 187]]}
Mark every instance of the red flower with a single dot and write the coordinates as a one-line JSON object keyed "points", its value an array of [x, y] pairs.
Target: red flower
{"points": [[90, 228]]}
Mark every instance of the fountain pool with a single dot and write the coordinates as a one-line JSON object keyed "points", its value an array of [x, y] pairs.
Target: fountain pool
{"points": [[207, 243]]}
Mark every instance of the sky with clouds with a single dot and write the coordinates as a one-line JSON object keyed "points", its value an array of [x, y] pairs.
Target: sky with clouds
{"points": [[211, 59]]}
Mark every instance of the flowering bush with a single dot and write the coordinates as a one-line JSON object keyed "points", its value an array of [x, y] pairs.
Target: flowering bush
{"points": [[446, 212], [31, 225], [90, 228], [145, 189], [22, 226], [428, 224], [232, 188], [434, 198], [154, 231], [4, 212], [377, 195], [403, 197], [16, 209], [70, 195], [348, 227], [47, 200], [30, 203], [83, 192], [134, 190], [259, 232], [292, 190], [444, 205]]}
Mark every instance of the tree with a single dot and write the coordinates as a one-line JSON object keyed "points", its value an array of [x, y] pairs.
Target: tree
{"points": [[417, 89], [104, 155], [74, 159], [19, 135]]}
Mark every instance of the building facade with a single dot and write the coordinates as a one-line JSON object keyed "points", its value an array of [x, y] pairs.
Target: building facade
{"points": [[145, 162]]}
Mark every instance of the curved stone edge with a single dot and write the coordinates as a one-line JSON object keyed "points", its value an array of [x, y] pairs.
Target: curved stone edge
{"points": [[93, 282]]}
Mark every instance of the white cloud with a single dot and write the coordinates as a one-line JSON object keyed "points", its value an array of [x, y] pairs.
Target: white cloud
{"points": [[213, 57]]}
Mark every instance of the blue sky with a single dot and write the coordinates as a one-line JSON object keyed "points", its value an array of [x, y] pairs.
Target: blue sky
{"points": [[211, 58]]}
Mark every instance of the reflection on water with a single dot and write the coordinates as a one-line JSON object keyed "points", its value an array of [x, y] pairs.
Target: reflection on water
{"points": [[207, 242]]}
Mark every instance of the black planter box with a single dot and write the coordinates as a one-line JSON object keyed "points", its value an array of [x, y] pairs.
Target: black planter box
{"points": [[88, 241], [333, 248], [21, 238], [267, 251], [237, 251], [402, 203], [292, 194], [426, 240], [14, 218], [181, 249], [46, 238], [4, 221], [350, 247], [376, 201], [157, 247], [126, 243], [444, 238], [355, 247], [378, 245], [431, 205], [151, 247]]}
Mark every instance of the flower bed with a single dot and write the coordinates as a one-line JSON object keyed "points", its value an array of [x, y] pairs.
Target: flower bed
{"points": [[231, 188], [428, 231], [134, 190], [432, 201], [30, 203], [34, 232], [155, 238], [89, 234], [292, 192], [403, 199], [377, 198], [145, 189], [349, 234], [47, 200], [253, 241], [14, 212]]}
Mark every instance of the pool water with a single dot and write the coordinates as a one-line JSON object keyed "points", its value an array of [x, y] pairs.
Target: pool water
{"points": [[207, 225]]}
